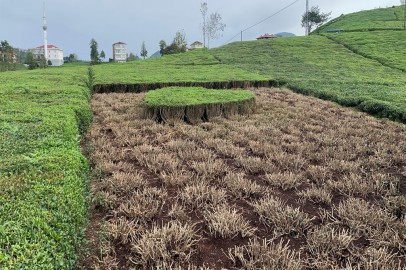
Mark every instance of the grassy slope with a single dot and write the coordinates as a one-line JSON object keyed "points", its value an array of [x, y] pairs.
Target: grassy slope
{"points": [[368, 20], [387, 47], [43, 194], [194, 66], [316, 65], [42, 171]]}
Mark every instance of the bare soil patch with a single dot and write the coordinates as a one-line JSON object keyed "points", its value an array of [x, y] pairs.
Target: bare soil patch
{"points": [[300, 184]]}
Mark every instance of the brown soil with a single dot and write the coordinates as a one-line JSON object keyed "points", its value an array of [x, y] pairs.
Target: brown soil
{"points": [[309, 144]]}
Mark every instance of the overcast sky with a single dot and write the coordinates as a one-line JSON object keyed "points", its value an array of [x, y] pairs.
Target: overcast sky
{"points": [[73, 23]]}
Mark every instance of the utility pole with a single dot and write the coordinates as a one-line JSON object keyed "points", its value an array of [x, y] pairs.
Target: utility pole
{"points": [[404, 19], [241, 35], [307, 17], [45, 36]]}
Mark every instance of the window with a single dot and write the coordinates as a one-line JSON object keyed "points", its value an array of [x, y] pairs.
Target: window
{"points": [[117, 51]]}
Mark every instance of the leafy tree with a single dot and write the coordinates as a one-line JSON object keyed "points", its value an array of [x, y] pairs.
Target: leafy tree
{"points": [[162, 46], [213, 27], [43, 62], [315, 17], [180, 40], [144, 52], [203, 11], [73, 57], [49, 63], [94, 53], [31, 60], [102, 55], [132, 57], [8, 58], [178, 44]]}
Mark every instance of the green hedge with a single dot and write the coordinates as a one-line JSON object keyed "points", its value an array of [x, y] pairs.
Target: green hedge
{"points": [[43, 175]]}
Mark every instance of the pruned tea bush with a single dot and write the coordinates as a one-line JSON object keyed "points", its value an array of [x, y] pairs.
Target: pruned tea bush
{"points": [[196, 104]]}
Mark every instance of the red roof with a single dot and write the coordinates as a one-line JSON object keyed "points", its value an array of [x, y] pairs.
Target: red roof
{"points": [[196, 43], [49, 47], [267, 36]]}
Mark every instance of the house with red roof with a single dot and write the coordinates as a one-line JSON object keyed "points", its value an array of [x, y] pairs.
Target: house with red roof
{"points": [[196, 45], [266, 36], [55, 54]]}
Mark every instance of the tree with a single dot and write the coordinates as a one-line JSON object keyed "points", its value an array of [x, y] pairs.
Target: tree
{"points": [[315, 17], [43, 62], [49, 63], [102, 55], [94, 53], [203, 10], [162, 46], [132, 57], [213, 27], [73, 57], [31, 60], [8, 58], [144, 52], [178, 44], [180, 40]]}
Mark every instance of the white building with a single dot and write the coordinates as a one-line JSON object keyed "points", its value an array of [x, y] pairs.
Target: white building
{"points": [[120, 52], [55, 54]]}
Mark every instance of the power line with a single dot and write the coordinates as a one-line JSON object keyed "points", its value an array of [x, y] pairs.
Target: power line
{"points": [[262, 21]]}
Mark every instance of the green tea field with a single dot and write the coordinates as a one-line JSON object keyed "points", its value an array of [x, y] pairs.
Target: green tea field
{"points": [[87, 181]]}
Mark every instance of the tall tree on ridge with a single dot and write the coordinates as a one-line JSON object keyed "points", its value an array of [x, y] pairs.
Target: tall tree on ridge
{"points": [[315, 18], [94, 53], [213, 27], [102, 55], [144, 52]]}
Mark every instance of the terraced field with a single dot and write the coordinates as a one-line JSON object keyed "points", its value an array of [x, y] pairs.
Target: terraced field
{"points": [[300, 170], [367, 20], [301, 184], [319, 66]]}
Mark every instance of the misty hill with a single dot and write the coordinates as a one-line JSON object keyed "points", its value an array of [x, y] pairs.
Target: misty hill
{"points": [[156, 54], [285, 34]]}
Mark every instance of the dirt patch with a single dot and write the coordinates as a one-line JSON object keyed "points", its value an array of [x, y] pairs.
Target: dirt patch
{"points": [[300, 176]]}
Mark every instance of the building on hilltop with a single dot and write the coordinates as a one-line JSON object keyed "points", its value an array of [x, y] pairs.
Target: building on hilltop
{"points": [[120, 52], [196, 45], [55, 54], [266, 36]]}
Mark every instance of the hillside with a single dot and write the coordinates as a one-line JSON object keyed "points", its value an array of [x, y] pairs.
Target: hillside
{"points": [[319, 66], [367, 20], [43, 113]]}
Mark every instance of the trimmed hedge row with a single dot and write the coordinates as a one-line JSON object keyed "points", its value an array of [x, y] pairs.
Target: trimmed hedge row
{"points": [[43, 174], [145, 87], [196, 104]]}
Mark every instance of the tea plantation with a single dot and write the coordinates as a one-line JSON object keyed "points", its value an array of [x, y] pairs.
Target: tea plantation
{"points": [[44, 176]]}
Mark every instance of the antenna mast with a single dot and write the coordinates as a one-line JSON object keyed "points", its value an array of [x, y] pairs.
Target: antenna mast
{"points": [[307, 17], [45, 36]]}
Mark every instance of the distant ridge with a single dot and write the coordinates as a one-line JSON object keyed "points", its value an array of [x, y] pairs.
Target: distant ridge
{"points": [[285, 34], [156, 54]]}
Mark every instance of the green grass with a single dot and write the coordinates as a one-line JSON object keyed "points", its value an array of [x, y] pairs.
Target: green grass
{"points": [[193, 66], [368, 20], [196, 104], [387, 47], [43, 188], [321, 67], [43, 175], [189, 96]]}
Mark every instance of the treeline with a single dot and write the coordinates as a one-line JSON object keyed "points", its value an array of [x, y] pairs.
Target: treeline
{"points": [[8, 57], [178, 44]]}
